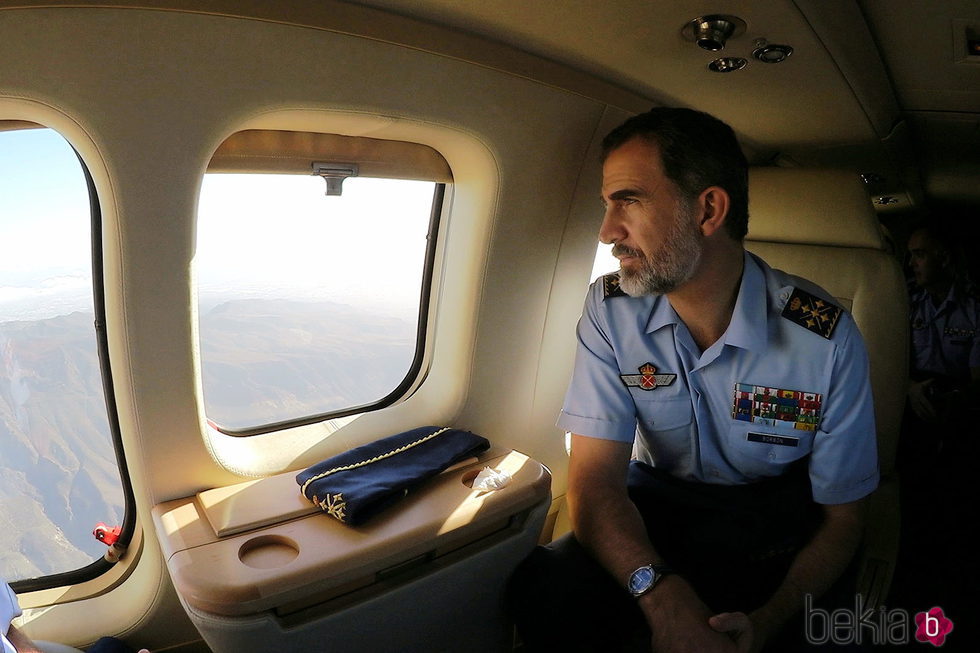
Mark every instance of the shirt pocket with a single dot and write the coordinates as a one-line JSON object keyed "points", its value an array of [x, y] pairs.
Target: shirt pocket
{"points": [[661, 415], [759, 451], [920, 337], [665, 426]]}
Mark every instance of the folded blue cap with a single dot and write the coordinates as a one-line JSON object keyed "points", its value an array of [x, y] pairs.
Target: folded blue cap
{"points": [[359, 483]]}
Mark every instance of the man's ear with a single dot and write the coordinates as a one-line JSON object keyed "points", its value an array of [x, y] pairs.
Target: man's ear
{"points": [[713, 203]]}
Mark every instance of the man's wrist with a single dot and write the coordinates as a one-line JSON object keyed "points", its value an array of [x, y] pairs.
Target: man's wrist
{"points": [[662, 606], [663, 593]]}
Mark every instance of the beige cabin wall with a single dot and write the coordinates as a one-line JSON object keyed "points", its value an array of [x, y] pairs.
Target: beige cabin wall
{"points": [[146, 97]]}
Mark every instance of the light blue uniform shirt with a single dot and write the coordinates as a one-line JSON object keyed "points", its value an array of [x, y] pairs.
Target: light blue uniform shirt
{"points": [[945, 339], [691, 426]]}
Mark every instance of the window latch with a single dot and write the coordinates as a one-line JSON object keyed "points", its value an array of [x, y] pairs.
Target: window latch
{"points": [[335, 174]]}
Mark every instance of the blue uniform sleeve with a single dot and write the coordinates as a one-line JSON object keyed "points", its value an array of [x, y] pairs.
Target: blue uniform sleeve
{"points": [[597, 403], [8, 610], [844, 462]]}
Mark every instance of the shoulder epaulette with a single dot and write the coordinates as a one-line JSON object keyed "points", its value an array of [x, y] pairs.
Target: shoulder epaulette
{"points": [[610, 286], [812, 313]]}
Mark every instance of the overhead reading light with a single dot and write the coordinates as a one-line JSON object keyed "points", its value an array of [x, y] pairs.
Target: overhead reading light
{"points": [[727, 64], [335, 174], [772, 53], [712, 32]]}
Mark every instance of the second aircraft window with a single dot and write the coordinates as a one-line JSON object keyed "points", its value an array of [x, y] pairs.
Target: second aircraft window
{"points": [[308, 304]]}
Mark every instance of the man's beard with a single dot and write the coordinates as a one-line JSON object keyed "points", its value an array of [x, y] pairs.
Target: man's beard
{"points": [[674, 263]]}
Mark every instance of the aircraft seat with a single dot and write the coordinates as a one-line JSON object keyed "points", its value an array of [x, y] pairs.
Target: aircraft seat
{"points": [[820, 224]]}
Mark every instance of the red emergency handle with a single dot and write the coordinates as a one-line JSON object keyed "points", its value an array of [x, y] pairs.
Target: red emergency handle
{"points": [[106, 534]]}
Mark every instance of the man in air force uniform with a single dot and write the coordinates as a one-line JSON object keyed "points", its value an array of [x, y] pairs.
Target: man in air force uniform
{"points": [[767, 375], [743, 393], [944, 312]]}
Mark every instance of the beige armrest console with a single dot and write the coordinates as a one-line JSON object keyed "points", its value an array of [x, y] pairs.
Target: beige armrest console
{"points": [[261, 547]]}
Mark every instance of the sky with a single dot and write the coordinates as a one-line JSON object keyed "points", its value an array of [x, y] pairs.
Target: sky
{"points": [[281, 236], [44, 227], [258, 235]]}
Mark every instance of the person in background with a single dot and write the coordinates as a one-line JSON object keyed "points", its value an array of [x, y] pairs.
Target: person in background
{"points": [[938, 448], [944, 317]]}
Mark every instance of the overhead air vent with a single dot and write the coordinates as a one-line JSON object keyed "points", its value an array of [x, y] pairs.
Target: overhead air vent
{"points": [[713, 32], [727, 64], [772, 53]]}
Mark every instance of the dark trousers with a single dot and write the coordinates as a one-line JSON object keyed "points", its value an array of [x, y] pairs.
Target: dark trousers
{"points": [[110, 645], [734, 545]]}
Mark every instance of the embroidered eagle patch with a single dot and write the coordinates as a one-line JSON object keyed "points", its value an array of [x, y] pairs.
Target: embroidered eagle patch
{"points": [[812, 313], [610, 286]]}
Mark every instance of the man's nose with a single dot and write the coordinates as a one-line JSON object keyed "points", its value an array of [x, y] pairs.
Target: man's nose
{"points": [[612, 230]]}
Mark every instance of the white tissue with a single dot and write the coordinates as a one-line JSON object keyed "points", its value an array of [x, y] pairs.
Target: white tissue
{"points": [[490, 479]]}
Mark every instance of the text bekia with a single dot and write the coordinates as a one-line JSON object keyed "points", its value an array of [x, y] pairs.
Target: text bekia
{"points": [[866, 625]]}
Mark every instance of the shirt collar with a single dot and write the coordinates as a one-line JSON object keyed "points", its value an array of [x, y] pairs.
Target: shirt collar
{"points": [[922, 296], [748, 327], [952, 297], [662, 314]]}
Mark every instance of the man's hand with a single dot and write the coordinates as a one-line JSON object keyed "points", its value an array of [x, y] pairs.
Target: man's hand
{"points": [[679, 620], [920, 402], [739, 626], [814, 570]]}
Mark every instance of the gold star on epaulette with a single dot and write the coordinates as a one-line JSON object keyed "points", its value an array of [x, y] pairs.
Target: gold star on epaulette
{"points": [[610, 286], [812, 313]]}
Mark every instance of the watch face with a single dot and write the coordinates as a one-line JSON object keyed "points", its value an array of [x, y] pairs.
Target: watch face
{"points": [[642, 579]]}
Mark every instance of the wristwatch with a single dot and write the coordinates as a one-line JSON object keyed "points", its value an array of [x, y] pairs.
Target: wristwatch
{"points": [[645, 578]]}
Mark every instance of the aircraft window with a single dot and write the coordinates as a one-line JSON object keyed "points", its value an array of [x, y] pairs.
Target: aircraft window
{"points": [[309, 305], [59, 476], [604, 262]]}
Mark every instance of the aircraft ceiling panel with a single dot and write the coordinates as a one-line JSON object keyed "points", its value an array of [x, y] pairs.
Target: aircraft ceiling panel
{"points": [[925, 51], [805, 101], [925, 48]]}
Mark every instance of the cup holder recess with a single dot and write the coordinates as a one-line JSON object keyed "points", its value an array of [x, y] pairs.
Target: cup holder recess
{"points": [[469, 477], [268, 552]]}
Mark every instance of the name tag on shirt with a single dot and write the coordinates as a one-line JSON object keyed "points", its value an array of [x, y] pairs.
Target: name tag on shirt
{"points": [[770, 438]]}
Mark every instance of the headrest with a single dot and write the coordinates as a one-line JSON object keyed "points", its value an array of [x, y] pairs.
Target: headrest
{"points": [[811, 206]]}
